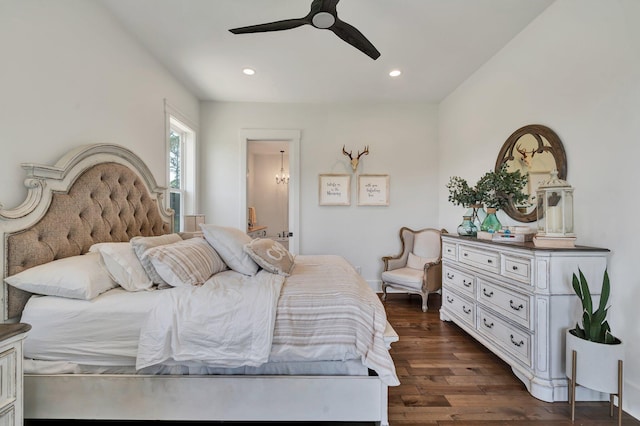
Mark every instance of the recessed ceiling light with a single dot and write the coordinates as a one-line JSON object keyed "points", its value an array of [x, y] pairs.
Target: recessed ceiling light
{"points": [[395, 73], [249, 71]]}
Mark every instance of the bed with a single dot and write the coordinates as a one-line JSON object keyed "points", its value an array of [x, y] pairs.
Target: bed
{"points": [[313, 361]]}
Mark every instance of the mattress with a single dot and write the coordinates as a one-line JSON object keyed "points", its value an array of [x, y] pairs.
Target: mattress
{"points": [[103, 331]]}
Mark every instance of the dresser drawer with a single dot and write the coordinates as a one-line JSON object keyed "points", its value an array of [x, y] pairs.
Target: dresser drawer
{"points": [[464, 283], [507, 336], [487, 260], [7, 377], [459, 306], [511, 304], [449, 251], [517, 268]]}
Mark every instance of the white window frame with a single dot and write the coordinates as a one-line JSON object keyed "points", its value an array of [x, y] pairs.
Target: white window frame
{"points": [[177, 122]]}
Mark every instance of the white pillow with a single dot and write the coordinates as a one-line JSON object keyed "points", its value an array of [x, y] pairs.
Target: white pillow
{"points": [[76, 277], [187, 262], [142, 244], [417, 262], [123, 265], [229, 243], [271, 256]]}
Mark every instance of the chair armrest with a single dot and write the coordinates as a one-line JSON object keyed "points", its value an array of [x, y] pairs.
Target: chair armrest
{"points": [[394, 262], [432, 276]]}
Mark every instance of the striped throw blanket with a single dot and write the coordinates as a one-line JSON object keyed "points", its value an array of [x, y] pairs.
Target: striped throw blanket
{"points": [[327, 311]]}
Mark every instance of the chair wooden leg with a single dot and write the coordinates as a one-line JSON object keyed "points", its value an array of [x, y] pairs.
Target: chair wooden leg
{"points": [[384, 292], [425, 298]]}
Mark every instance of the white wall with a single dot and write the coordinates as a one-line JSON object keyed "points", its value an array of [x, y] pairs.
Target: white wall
{"points": [[402, 141], [70, 75], [576, 69]]}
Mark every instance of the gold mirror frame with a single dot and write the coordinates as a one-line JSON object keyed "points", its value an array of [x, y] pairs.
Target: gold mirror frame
{"points": [[540, 140]]}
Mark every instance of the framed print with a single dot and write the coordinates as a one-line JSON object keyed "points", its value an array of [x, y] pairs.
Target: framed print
{"points": [[373, 190], [334, 190]]}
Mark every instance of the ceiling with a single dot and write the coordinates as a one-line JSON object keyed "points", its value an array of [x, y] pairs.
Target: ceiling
{"points": [[437, 44]]}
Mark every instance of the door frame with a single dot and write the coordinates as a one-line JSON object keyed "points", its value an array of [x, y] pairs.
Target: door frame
{"points": [[292, 138]]}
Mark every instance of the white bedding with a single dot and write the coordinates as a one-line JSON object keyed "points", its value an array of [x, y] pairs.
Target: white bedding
{"points": [[325, 312], [227, 322], [102, 331]]}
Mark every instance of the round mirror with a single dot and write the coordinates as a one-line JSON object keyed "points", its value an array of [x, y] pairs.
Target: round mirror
{"points": [[534, 150]]}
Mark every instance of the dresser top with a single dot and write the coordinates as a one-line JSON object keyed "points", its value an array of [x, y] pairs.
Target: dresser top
{"points": [[523, 245], [9, 330]]}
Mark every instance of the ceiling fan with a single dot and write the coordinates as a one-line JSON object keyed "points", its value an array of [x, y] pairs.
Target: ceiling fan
{"points": [[323, 15]]}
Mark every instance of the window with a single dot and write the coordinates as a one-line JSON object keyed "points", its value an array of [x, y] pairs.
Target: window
{"points": [[181, 170]]}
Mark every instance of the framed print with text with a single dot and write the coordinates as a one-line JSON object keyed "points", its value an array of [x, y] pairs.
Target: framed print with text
{"points": [[373, 190], [334, 190]]}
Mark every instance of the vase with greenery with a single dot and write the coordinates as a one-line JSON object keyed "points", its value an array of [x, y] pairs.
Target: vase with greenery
{"points": [[594, 355], [462, 194], [499, 188]]}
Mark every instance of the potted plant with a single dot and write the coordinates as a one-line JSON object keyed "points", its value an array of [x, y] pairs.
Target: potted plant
{"points": [[500, 188], [598, 351]]}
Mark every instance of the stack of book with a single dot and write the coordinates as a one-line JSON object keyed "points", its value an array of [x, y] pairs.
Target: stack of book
{"points": [[518, 235]]}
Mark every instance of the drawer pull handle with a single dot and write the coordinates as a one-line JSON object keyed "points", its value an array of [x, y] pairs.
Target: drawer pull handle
{"points": [[514, 267], [465, 310], [489, 261], [466, 254], [486, 324], [518, 344], [466, 283], [450, 300], [450, 276], [514, 307], [489, 294]]}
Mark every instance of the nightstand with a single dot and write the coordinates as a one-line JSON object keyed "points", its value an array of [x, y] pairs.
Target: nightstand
{"points": [[11, 401]]}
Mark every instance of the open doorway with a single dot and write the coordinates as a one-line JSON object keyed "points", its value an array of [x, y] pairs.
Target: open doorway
{"points": [[268, 190], [270, 204]]}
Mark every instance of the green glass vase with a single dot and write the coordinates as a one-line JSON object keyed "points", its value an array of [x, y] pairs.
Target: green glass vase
{"points": [[491, 222], [467, 228]]}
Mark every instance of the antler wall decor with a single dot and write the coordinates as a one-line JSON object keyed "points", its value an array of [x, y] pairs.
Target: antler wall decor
{"points": [[354, 161]]}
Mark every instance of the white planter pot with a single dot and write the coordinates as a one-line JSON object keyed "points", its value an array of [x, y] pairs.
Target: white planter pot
{"points": [[596, 363]]}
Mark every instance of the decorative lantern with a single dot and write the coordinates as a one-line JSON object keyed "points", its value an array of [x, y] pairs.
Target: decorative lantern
{"points": [[555, 213]]}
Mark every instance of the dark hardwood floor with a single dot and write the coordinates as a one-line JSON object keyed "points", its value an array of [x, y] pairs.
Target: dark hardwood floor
{"points": [[447, 378]]}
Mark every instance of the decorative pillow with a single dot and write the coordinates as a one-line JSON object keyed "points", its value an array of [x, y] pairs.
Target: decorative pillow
{"points": [[142, 244], [123, 265], [229, 243], [271, 256], [187, 262], [75, 277], [417, 262]]}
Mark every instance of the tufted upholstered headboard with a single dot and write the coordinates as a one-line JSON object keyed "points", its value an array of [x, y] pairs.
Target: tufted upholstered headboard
{"points": [[96, 193]]}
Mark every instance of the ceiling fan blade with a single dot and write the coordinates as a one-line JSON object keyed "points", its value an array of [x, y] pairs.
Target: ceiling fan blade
{"points": [[354, 37], [328, 6], [286, 24]]}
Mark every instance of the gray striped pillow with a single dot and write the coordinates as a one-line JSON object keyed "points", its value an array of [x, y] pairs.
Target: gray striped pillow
{"points": [[142, 244], [187, 262]]}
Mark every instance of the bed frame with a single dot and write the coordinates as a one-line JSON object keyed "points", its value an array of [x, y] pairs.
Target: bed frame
{"points": [[101, 193]]}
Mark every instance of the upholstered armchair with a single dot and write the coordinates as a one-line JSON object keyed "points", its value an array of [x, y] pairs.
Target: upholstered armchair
{"points": [[418, 268]]}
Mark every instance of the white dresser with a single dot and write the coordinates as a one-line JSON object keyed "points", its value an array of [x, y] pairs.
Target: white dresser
{"points": [[517, 300], [11, 400]]}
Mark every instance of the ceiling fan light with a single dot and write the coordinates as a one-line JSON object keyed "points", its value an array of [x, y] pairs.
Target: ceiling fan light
{"points": [[395, 73], [248, 71], [323, 20]]}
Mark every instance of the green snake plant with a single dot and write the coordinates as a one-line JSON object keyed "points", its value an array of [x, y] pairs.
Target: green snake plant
{"points": [[595, 326]]}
